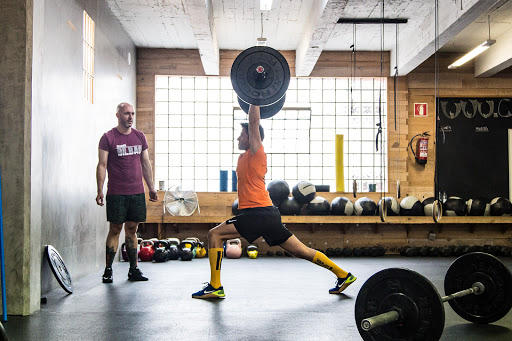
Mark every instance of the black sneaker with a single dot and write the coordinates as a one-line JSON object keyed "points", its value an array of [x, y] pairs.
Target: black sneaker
{"points": [[136, 275], [107, 275]]}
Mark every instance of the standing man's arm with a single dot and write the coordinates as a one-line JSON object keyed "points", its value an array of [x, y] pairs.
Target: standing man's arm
{"points": [[254, 128], [147, 172], [101, 172]]}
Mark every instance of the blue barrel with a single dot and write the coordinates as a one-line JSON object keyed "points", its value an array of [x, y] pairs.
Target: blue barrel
{"points": [[223, 180], [233, 181]]}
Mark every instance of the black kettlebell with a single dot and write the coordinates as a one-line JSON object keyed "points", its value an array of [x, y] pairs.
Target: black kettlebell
{"points": [[186, 247], [161, 251]]}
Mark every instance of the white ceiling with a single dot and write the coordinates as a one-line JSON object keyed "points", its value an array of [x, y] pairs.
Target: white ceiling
{"points": [[309, 26]]}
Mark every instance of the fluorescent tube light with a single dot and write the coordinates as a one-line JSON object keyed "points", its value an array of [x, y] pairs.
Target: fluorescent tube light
{"points": [[472, 54], [261, 42], [265, 5]]}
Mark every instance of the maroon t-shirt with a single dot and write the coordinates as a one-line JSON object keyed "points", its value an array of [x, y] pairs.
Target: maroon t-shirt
{"points": [[124, 165]]}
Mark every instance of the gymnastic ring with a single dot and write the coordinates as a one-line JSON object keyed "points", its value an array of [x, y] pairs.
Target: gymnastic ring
{"points": [[437, 211], [383, 210]]}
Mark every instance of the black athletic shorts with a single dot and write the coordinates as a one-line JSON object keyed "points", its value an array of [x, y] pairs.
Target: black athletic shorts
{"points": [[121, 208], [265, 222]]}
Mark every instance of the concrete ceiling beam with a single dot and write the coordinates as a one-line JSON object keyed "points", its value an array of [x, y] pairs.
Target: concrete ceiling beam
{"points": [[497, 58], [201, 19], [417, 40], [324, 16]]}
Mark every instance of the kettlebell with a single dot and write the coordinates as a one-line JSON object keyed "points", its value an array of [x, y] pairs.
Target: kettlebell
{"points": [[186, 247], [174, 251], [201, 251], [252, 251], [196, 245], [173, 241], [233, 248], [193, 247], [124, 253], [146, 251], [139, 240], [161, 251]]}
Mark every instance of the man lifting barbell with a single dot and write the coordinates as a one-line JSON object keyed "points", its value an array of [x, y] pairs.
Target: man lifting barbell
{"points": [[258, 217]]}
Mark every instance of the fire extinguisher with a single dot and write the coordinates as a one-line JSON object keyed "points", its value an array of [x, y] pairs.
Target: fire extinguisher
{"points": [[421, 148]]}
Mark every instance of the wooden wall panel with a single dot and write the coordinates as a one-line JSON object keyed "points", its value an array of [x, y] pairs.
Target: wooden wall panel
{"points": [[338, 64], [416, 87]]}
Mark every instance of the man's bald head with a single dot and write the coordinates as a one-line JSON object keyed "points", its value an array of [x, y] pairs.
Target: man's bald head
{"points": [[121, 107]]}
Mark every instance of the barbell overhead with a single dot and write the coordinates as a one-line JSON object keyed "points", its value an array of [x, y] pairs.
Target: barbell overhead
{"points": [[260, 75], [267, 111], [496, 299]]}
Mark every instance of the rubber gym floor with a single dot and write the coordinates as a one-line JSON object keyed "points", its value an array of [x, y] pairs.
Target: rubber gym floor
{"points": [[268, 298]]}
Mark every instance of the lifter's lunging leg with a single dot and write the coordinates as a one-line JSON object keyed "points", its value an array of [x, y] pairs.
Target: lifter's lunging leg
{"points": [[294, 246], [216, 238]]}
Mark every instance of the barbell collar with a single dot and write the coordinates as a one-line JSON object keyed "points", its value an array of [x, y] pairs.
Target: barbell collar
{"points": [[380, 320], [476, 289]]}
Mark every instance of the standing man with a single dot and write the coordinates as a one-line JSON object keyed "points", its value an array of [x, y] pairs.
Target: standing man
{"points": [[123, 153], [258, 217]]}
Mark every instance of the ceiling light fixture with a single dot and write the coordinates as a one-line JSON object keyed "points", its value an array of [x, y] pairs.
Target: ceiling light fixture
{"points": [[265, 5], [476, 51], [261, 41]]}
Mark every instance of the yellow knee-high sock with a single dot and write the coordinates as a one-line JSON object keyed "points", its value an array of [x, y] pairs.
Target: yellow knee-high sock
{"points": [[215, 256], [325, 262]]}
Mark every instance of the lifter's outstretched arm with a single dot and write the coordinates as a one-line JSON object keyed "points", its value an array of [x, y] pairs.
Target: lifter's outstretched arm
{"points": [[254, 128]]}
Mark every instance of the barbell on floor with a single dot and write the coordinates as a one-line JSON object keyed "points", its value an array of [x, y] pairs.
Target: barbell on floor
{"points": [[401, 304]]}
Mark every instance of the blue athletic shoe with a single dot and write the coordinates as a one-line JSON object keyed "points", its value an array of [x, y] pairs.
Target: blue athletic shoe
{"points": [[209, 291], [342, 284]]}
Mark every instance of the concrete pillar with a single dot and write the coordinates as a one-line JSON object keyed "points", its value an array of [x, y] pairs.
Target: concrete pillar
{"points": [[15, 120]]}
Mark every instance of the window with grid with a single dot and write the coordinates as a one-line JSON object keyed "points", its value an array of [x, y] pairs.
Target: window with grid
{"points": [[88, 58], [198, 121]]}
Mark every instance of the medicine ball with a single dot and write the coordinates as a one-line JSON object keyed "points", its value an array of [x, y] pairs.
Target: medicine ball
{"points": [[290, 206], [304, 192], [500, 206], [454, 206], [411, 206], [478, 207], [342, 206], [428, 206], [365, 206], [278, 191], [319, 206], [392, 207], [234, 207]]}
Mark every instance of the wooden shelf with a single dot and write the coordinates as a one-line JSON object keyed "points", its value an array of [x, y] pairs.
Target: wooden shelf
{"points": [[198, 219]]}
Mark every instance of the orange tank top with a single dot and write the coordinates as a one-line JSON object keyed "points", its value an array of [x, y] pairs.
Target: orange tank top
{"points": [[250, 172]]}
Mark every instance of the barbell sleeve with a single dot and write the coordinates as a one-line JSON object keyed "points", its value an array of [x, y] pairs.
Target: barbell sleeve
{"points": [[380, 320], [477, 288]]}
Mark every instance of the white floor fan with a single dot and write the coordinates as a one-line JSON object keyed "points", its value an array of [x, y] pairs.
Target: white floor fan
{"points": [[180, 202]]}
